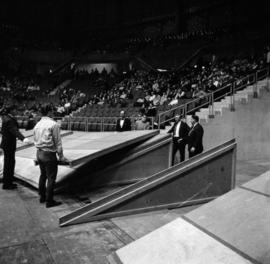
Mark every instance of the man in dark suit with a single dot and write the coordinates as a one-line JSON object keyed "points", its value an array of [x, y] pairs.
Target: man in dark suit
{"points": [[195, 137], [10, 132], [123, 123], [180, 135]]}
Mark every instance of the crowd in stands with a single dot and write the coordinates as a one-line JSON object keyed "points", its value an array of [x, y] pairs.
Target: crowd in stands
{"points": [[140, 89], [18, 87], [149, 90]]}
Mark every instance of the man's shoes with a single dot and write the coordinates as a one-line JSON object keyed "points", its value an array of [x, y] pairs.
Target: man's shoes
{"points": [[52, 204], [42, 200], [11, 186]]}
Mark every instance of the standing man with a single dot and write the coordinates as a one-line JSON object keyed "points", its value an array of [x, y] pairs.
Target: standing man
{"points": [[48, 143], [195, 137], [10, 133], [123, 123], [179, 132]]}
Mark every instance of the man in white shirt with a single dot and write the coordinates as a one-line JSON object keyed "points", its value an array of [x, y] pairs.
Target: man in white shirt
{"points": [[123, 123], [179, 133], [48, 142]]}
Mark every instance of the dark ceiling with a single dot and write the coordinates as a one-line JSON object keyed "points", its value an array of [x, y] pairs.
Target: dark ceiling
{"points": [[70, 17]]}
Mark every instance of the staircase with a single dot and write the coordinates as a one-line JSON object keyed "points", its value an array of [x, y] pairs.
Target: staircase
{"points": [[241, 97]]}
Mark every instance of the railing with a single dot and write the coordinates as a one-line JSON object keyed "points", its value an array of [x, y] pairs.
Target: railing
{"points": [[87, 124], [209, 99], [100, 124]]}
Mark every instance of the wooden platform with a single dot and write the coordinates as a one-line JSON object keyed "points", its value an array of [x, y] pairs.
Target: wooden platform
{"points": [[80, 148], [234, 228]]}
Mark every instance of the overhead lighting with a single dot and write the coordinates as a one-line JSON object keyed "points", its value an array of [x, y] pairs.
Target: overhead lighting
{"points": [[161, 70]]}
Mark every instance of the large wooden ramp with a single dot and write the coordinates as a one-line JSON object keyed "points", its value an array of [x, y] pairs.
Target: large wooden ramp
{"points": [[232, 229], [197, 180], [100, 159]]}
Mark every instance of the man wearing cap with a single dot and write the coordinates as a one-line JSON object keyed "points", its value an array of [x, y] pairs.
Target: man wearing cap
{"points": [[195, 137], [179, 133], [123, 123], [10, 132]]}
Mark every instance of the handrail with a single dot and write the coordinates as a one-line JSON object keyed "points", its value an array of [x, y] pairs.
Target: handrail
{"points": [[210, 97], [99, 121]]}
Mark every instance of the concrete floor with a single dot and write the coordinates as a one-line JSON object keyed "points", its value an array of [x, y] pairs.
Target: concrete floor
{"points": [[30, 232]]}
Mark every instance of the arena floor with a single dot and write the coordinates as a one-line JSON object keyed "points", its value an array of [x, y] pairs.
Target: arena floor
{"points": [[30, 233]]}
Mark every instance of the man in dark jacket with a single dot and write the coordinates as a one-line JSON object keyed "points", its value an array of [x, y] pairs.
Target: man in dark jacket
{"points": [[195, 137], [123, 123], [179, 132], [10, 132]]}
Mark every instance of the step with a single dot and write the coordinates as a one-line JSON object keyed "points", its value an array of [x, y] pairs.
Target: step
{"points": [[219, 106], [250, 89], [263, 82], [226, 101], [204, 116], [246, 91], [204, 110], [223, 104], [241, 97]]}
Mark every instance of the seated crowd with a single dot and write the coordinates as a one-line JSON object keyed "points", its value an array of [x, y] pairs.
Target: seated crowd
{"points": [[148, 92]]}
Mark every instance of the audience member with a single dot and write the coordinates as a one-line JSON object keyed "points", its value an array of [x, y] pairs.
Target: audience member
{"points": [[142, 123], [123, 123]]}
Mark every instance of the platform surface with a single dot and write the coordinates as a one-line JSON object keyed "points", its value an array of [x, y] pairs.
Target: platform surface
{"points": [[79, 147], [178, 242], [233, 228]]}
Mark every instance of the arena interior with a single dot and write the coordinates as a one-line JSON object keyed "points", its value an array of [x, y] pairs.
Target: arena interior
{"points": [[159, 116]]}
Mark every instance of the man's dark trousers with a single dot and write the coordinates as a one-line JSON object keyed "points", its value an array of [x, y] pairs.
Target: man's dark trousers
{"points": [[48, 171], [178, 146], [9, 166]]}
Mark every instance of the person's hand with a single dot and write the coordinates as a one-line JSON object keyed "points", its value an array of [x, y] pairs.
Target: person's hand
{"points": [[63, 158], [63, 161], [192, 149], [179, 140], [27, 141]]}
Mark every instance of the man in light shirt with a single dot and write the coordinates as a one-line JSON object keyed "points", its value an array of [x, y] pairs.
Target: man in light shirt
{"points": [[48, 142], [179, 131]]}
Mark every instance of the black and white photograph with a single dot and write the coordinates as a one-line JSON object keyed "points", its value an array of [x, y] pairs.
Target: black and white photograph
{"points": [[134, 132]]}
